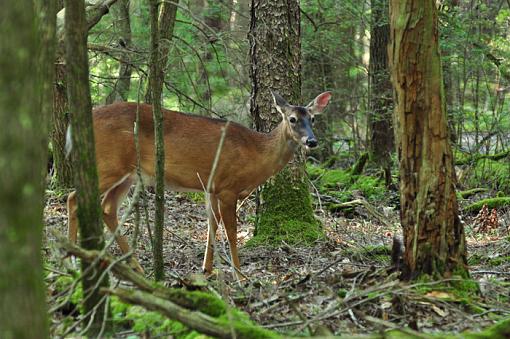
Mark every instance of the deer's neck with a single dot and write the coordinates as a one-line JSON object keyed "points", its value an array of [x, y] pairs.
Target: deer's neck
{"points": [[279, 149]]}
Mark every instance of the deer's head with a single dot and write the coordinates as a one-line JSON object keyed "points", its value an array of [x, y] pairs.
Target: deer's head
{"points": [[299, 119]]}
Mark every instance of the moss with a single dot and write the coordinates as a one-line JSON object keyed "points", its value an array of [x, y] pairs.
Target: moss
{"points": [[491, 203], [501, 330], [286, 213], [197, 197], [199, 301], [468, 193], [143, 321]]}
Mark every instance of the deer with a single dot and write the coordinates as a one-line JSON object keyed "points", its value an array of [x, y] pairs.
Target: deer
{"points": [[247, 159]]}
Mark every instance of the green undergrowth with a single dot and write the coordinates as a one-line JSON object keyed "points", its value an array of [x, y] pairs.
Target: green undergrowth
{"points": [[489, 173], [341, 184], [197, 197], [286, 214]]}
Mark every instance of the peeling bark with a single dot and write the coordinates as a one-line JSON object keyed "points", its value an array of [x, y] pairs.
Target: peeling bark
{"points": [[433, 233]]}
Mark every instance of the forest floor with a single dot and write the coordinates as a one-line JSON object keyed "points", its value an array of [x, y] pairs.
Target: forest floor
{"points": [[342, 285]]}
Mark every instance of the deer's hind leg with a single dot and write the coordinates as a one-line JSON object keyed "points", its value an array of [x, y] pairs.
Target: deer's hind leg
{"points": [[213, 218], [112, 200]]}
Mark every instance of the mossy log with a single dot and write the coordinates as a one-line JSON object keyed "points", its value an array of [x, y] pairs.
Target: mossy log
{"points": [[468, 193], [200, 311], [475, 157], [491, 203]]}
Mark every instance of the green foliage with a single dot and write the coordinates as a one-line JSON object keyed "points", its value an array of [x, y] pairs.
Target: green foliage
{"points": [[490, 173], [64, 284], [341, 183], [197, 197]]}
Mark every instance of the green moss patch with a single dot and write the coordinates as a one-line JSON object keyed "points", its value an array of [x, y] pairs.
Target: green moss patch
{"points": [[286, 213]]}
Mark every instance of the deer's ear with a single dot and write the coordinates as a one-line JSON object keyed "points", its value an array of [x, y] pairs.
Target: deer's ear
{"points": [[319, 103], [280, 103]]}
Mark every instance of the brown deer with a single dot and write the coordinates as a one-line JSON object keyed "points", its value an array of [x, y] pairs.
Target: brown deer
{"points": [[247, 159]]}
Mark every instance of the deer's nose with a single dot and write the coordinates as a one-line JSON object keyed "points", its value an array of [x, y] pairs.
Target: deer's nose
{"points": [[311, 142]]}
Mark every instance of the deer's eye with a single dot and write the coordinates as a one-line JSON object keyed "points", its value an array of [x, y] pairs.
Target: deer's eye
{"points": [[292, 120]]}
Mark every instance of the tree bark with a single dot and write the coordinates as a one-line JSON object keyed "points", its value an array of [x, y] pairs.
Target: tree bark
{"points": [[155, 85], [25, 103], [433, 233], [62, 171], [165, 27], [63, 175], [275, 65], [122, 24], [381, 93], [84, 159]]}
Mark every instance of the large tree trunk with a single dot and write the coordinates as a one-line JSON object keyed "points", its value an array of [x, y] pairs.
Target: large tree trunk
{"points": [[84, 160], [25, 105], [122, 23], [275, 65], [381, 93], [433, 234]]}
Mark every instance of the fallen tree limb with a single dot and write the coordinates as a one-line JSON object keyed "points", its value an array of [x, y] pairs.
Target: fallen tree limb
{"points": [[362, 202], [468, 193], [197, 310], [491, 203], [195, 320]]}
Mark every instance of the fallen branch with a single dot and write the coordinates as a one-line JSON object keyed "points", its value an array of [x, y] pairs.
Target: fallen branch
{"points": [[195, 320], [362, 202]]}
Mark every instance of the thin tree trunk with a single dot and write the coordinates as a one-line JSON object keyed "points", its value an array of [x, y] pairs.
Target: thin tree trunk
{"points": [[62, 172], [275, 65], [155, 85], [165, 27], [433, 233], [84, 160], [25, 103], [120, 92], [381, 98]]}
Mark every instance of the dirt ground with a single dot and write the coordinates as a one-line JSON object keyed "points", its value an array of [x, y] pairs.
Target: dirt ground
{"points": [[341, 285]]}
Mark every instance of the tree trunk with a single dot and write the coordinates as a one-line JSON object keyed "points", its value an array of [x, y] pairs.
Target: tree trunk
{"points": [[433, 233], [381, 93], [62, 172], [84, 159], [156, 85], [120, 92], [275, 65], [25, 103], [166, 24]]}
